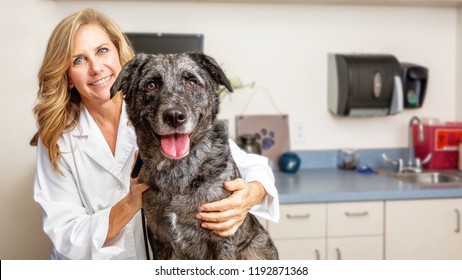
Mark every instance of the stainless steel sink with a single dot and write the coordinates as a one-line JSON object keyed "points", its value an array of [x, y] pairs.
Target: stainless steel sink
{"points": [[434, 178]]}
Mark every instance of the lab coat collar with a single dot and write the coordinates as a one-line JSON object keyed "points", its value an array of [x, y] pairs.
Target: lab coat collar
{"points": [[94, 145]]}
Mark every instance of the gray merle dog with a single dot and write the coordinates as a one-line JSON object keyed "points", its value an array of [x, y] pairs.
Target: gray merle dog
{"points": [[172, 102]]}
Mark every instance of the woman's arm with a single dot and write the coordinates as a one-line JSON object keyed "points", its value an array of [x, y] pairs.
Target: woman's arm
{"points": [[70, 220], [225, 216], [255, 192], [124, 210]]}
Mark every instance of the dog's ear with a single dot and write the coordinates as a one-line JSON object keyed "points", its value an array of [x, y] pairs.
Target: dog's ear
{"points": [[123, 81], [212, 67]]}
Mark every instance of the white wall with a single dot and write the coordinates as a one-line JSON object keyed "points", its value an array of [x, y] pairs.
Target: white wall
{"points": [[458, 91], [281, 47]]}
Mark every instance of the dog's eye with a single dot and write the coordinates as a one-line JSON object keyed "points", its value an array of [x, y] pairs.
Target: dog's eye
{"points": [[153, 85], [192, 83]]}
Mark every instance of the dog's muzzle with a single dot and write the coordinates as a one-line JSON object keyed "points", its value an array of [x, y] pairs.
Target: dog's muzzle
{"points": [[174, 117], [175, 144]]}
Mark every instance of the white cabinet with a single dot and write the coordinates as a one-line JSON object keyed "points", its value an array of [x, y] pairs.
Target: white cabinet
{"points": [[300, 221], [301, 248], [301, 231], [401, 229], [330, 231], [355, 230], [355, 248], [423, 229]]}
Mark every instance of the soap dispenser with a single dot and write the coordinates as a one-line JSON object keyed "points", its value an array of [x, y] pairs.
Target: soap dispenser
{"points": [[414, 78]]}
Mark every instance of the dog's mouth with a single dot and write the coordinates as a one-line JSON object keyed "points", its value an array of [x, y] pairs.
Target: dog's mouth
{"points": [[175, 145]]}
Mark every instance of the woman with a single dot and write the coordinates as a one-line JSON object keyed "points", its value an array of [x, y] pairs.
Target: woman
{"points": [[86, 149]]}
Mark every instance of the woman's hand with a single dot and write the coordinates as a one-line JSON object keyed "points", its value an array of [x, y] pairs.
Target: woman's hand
{"points": [[135, 198], [124, 210], [225, 216]]}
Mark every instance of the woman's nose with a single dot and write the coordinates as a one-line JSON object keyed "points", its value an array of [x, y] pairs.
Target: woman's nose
{"points": [[95, 67]]}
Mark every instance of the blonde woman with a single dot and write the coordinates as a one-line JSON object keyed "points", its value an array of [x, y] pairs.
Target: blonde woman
{"points": [[86, 149]]}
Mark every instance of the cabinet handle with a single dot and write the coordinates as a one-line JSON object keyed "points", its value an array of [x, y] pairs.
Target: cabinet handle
{"points": [[318, 255], [457, 230], [356, 214], [339, 254], [299, 216]]}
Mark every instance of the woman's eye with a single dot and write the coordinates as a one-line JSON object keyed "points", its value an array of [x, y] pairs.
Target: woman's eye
{"points": [[78, 60], [102, 50]]}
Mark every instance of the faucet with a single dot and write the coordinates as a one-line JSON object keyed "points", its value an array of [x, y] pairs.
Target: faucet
{"points": [[414, 164], [412, 161]]}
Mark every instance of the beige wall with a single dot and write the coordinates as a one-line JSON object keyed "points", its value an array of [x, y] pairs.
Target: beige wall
{"points": [[283, 48]]}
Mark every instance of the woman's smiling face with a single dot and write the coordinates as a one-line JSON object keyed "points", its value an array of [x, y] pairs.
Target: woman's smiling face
{"points": [[95, 64]]}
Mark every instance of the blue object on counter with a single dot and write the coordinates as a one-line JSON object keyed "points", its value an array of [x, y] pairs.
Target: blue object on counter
{"points": [[289, 162], [365, 169]]}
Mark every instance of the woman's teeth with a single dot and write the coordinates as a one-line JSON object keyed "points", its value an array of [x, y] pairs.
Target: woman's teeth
{"points": [[100, 82]]}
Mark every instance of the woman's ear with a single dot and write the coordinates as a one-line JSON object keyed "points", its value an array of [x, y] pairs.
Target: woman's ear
{"points": [[70, 84]]}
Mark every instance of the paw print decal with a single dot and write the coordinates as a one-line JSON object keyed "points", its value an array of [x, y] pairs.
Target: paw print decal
{"points": [[266, 138]]}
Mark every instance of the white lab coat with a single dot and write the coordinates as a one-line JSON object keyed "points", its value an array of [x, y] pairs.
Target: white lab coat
{"points": [[76, 205]]}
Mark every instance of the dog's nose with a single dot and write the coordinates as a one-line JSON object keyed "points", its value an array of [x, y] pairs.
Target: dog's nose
{"points": [[174, 117]]}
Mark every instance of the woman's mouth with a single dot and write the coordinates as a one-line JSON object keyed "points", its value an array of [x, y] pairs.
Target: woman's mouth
{"points": [[101, 81]]}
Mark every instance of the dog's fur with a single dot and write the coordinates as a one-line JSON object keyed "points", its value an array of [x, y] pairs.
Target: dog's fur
{"points": [[177, 94]]}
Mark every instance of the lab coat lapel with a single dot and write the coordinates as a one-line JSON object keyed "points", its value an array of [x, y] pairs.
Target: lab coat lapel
{"points": [[126, 140], [96, 146]]}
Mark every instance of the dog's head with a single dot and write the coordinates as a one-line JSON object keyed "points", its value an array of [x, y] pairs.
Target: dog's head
{"points": [[171, 98]]}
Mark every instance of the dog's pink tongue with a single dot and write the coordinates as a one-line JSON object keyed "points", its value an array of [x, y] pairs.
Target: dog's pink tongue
{"points": [[175, 145]]}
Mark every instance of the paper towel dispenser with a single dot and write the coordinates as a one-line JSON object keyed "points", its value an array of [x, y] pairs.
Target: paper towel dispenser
{"points": [[364, 85]]}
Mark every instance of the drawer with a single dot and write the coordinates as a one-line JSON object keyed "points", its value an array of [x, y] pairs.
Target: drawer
{"points": [[354, 219], [355, 248], [299, 221], [301, 249]]}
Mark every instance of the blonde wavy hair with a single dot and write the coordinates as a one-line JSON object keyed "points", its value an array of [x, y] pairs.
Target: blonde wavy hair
{"points": [[57, 108]]}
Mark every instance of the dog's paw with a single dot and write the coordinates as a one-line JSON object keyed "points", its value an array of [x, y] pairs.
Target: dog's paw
{"points": [[266, 138]]}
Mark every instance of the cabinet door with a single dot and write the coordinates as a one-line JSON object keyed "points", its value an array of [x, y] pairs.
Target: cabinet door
{"points": [[355, 248], [299, 221], [355, 218], [423, 229], [301, 249]]}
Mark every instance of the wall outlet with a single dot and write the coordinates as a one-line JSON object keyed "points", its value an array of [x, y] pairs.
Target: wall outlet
{"points": [[299, 133]]}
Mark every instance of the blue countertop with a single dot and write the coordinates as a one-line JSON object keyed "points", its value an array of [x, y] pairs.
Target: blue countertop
{"points": [[334, 185]]}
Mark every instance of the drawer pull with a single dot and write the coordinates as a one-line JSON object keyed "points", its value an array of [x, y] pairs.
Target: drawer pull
{"points": [[356, 214], [298, 216], [457, 230], [318, 255]]}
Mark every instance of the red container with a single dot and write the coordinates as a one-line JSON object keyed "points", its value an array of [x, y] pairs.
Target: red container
{"points": [[442, 140]]}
